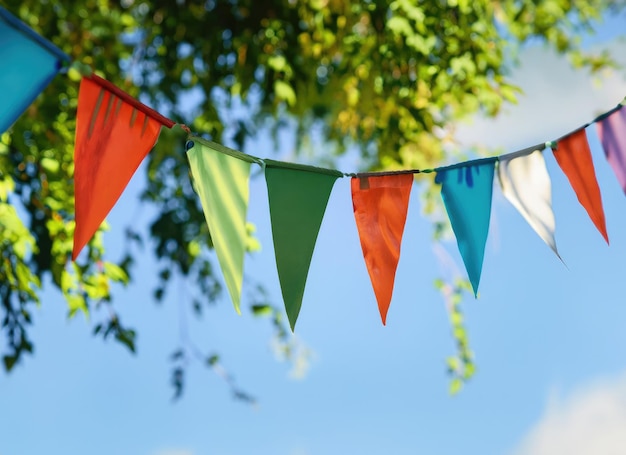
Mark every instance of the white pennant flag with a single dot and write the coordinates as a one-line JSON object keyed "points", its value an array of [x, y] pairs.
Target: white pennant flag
{"points": [[526, 184]]}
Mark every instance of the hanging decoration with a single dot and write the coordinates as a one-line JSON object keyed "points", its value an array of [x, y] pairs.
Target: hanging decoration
{"points": [[466, 192], [526, 184], [30, 63], [612, 134], [574, 157], [298, 196], [380, 207], [221, 179], [114, 132]]}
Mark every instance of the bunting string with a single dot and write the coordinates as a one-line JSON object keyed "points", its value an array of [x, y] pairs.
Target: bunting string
{"points": [[114, 133]]}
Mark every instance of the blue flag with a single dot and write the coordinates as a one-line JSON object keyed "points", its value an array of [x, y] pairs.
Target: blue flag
{"points": [[29, 63], [466, 193]]}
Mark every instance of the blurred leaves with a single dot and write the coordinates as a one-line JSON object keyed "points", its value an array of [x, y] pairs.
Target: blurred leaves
{"points": [[385, 77], [460, 367]]}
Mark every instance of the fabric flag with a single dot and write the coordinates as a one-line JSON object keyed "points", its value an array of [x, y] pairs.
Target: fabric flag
{"points": [[574, 157], [526, 184], [466, 191], [114, 132], [380, 206], [29, 62], [612, 134], [221, 179], [298, 196]]}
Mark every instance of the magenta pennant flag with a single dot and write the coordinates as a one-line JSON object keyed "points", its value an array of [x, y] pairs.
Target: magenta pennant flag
{"points": [[612, 134]]}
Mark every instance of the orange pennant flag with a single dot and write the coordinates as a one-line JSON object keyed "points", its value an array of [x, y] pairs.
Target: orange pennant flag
{"points": [[574, 157], [380, 207], [114, 133]]}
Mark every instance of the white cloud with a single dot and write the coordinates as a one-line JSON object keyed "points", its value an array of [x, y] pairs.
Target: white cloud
{"points": [[590, 421], [556, 99]]}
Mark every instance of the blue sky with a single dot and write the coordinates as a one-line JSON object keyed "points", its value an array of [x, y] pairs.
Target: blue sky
{"points": [[548, 339]]}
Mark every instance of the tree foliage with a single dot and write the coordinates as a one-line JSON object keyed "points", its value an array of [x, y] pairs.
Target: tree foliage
{"points": [[384, 77]]}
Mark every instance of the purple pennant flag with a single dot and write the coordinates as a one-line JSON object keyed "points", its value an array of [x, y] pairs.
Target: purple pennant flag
{"points": [[612, 133]]}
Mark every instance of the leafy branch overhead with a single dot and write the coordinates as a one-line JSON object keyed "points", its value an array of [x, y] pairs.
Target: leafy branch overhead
{"points": [[383, 77]]}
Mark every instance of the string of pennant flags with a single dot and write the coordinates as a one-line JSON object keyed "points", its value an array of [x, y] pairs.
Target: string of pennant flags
{"points": [[115, 132]]}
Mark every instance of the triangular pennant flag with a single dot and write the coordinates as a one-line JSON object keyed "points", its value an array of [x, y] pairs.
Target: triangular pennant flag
{"points": [[114, 133], [380, 207], [612, 134], [221, 179], [298, 196], [574, 157], [29, 62], [466, 192], [526, 184]]}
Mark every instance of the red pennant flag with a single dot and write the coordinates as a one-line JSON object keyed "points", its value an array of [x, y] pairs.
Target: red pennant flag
{"points": [[114, 133], [380, 207], [574, 158]]}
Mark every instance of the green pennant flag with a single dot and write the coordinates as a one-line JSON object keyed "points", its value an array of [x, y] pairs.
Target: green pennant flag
{"points": [[298, 196], [221, 177]]}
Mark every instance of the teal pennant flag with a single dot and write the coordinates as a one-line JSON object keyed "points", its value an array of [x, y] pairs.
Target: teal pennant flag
{"points": [[466, 192], [222, 178], [29, 62], [298, 196]]}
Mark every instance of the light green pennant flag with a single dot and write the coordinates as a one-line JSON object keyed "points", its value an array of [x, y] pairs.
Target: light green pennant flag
{"points": [[298, 196], [221, 178]]}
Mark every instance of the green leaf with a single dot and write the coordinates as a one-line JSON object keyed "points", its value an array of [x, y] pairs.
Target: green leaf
{"points": [[9, 362], [127, 338], [26, 345], [400, 26], [253, 244], [50, 165], [75, 303], [455, 386], [420, 44], [178, 381], [277, 62], [262, 310], [7, 185], [285, 92], [453, 364], [212, 360], [115, 272], [194, 249], [67, 281], [470, 370], [509, 93]]}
